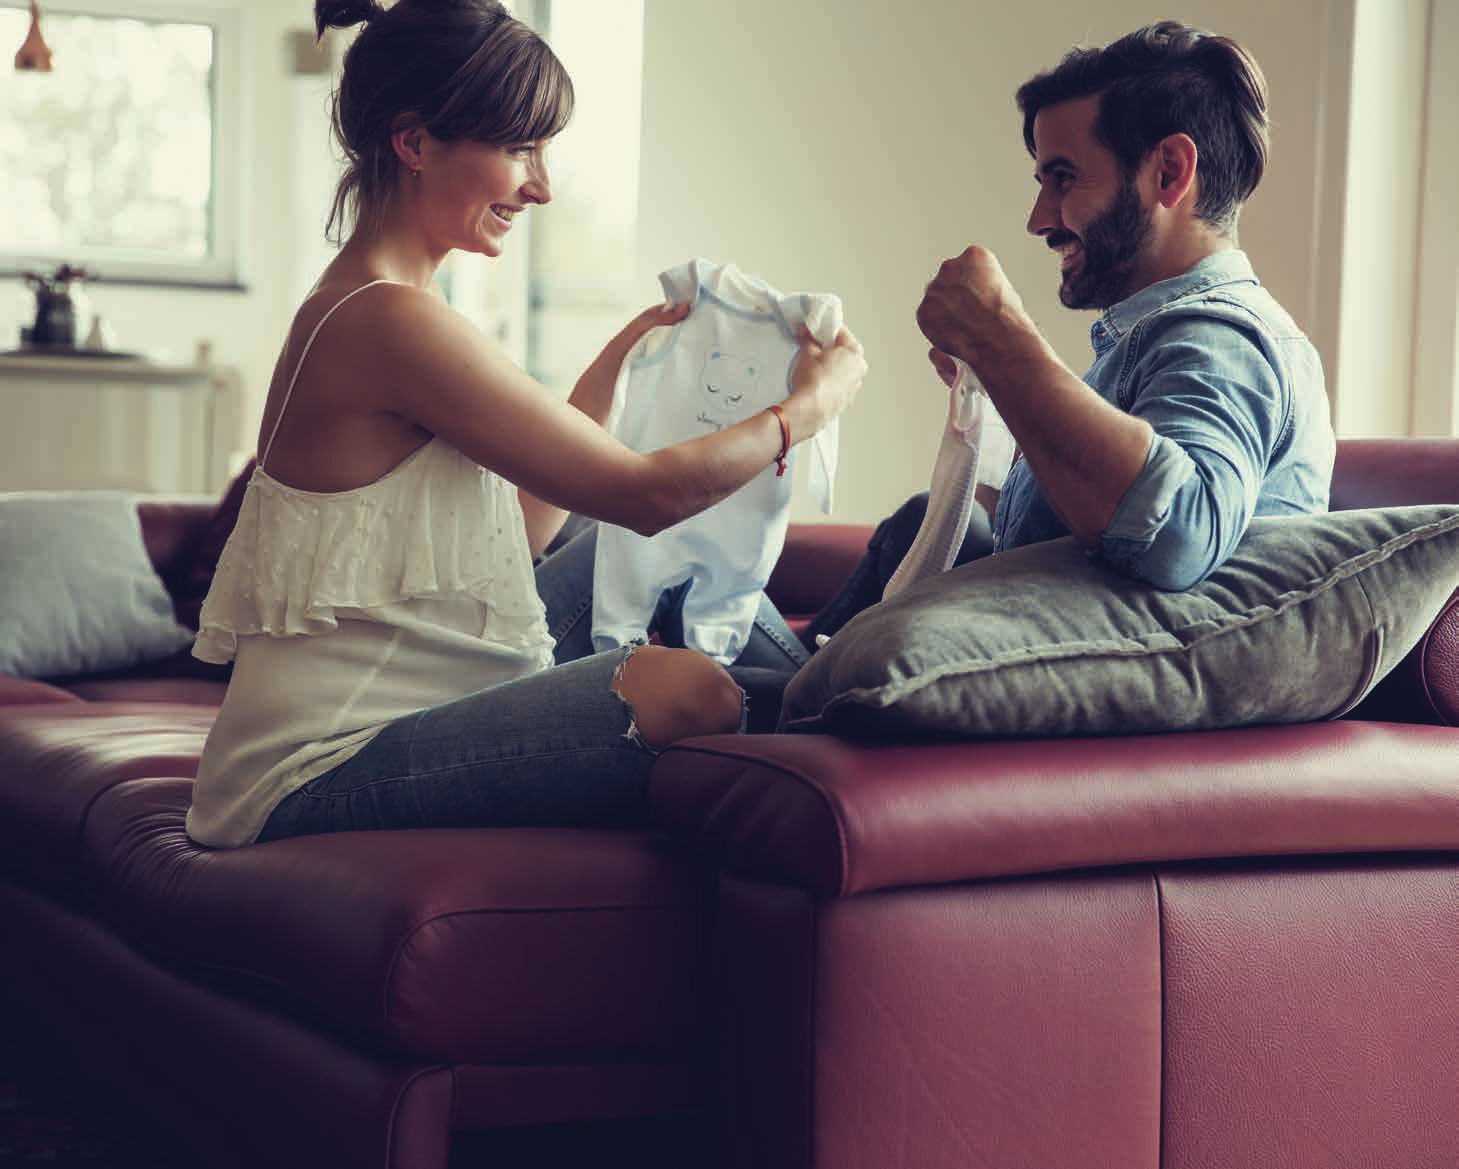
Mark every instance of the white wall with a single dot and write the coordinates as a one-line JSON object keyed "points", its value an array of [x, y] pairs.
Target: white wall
{"points": [[850, 146]]}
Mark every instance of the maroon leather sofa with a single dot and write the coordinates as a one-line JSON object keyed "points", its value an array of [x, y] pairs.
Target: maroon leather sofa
{"points": [[1233, 948]]}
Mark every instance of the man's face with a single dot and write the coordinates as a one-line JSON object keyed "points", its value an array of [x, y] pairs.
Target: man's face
{"points": [[1087, 209]]}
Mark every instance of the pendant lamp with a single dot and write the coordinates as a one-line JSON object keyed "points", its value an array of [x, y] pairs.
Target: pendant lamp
{"points": [[34, 54]]}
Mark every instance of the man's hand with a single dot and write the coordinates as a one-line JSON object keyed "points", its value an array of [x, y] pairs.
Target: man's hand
{"points": [[1083, 451], [970, 306]]}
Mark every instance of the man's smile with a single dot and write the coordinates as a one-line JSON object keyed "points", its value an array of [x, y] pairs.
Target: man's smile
{"points": [[1068, 248]]}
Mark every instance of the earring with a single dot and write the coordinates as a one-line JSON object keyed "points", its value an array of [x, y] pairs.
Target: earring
{"points": [[415, 172]]}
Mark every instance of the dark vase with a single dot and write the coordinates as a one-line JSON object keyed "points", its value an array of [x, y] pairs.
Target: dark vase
{"points": [[55, 319]]}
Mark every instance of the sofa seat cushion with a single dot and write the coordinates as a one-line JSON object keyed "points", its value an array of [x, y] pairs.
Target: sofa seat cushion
{"points": [[57, 757], [513, 946]]}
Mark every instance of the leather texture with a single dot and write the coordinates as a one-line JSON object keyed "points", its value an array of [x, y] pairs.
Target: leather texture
{"points": [[1439, 655], [813, 564], [1393, 472], [843, 819], [206, 1066], [57, 758], [1015, 1024], [1310, 1015], [533, 946], [24, 691]]}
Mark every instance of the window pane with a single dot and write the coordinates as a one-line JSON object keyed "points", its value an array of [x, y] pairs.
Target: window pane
{"points": [[113, 151], [584, 242]]}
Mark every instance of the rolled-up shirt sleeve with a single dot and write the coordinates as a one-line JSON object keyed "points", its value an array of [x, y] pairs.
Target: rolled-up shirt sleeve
{"points": [[1216, 401]]}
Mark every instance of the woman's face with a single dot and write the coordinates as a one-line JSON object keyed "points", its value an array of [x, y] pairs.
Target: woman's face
{"points": [[474, 191]]}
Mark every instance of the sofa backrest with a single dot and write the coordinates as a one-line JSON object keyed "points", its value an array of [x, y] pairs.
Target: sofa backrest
{"points": [[1393, 472]]}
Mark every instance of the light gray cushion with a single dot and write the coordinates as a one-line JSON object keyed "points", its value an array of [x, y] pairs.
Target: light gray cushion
{"points": [[1298, 625], [77, 591]]}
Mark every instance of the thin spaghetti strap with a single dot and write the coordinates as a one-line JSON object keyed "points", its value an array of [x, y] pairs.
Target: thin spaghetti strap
{"points": [[284, 405]]}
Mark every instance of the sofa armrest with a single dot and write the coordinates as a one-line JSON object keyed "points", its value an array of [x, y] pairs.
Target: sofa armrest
{"points": [[841, 818], [1424, 686], [1394, 472], [172, 528], [16, 691]]}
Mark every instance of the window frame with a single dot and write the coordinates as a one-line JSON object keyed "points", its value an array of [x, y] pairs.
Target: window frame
{"points": [[222, 268]]}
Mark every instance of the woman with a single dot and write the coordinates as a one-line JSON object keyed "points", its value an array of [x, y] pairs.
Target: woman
{"points": [[393, 667]]}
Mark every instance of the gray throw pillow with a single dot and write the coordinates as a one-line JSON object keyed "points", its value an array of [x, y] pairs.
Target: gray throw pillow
{"points": [[78, 593], [1298, 625]]}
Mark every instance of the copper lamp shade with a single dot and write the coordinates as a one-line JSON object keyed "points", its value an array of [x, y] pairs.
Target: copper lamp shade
{"points": [[33, 52]]}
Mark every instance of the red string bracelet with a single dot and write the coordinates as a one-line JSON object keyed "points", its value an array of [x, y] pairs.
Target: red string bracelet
{"points": [[784, 440]]}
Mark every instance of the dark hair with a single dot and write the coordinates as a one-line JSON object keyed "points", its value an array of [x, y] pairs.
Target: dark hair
{"points": [[467, 69], [1164, 79]]}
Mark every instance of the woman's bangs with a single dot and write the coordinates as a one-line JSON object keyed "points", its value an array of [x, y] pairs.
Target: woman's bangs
{"points": [[528, 99]]}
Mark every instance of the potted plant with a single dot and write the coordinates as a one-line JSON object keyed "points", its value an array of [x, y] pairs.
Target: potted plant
{"points": [[55, 307]]}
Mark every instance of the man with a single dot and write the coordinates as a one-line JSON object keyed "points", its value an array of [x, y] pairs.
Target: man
{"points": [[1205, 404]]}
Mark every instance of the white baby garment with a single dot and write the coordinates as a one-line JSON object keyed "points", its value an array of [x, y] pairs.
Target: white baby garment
{"points": [[976, 448], [731, 357]]}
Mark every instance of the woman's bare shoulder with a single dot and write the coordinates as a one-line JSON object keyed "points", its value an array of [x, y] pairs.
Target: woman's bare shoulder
{"points": [[359, 328], [362, 301]]}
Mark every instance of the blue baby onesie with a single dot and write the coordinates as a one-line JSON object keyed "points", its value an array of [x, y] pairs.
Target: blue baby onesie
{"points": [[731, 357]]}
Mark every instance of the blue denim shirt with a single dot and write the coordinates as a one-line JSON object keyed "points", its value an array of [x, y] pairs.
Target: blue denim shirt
{"points": [[1235, 394]]}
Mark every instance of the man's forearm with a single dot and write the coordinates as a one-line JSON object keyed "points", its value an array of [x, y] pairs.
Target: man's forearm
{"points": [[1084, 452]]}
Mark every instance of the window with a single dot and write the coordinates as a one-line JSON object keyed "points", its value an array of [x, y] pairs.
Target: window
{"points": [[123, 160], [584, 244]]}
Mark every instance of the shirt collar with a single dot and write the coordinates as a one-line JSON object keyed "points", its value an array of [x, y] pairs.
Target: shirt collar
{"points": [[1225, 267]]}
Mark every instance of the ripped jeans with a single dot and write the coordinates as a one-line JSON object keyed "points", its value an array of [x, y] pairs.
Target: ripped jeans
{"points": [[556, 748]]}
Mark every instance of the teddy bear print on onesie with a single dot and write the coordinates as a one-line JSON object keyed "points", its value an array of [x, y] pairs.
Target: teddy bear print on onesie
{"points": [[730, 358]]}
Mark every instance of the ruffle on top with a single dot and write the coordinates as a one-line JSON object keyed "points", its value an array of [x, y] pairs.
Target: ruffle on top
{"points": [[436, 525]]}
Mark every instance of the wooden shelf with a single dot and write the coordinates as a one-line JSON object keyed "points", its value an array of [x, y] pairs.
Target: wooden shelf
{"points": [[66, 367]]}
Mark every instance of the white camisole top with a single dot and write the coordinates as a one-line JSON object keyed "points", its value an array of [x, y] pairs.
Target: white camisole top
{"points": [[343, 611]]}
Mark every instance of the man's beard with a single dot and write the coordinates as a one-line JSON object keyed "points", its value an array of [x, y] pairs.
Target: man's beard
{"points": [[1110, 246]]}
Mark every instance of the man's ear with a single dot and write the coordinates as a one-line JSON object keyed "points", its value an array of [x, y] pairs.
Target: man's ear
{"points": [[1175, 177], [407, 137]]}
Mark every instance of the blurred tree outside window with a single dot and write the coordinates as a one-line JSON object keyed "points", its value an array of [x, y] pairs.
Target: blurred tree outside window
{"points": [[110, 160]]}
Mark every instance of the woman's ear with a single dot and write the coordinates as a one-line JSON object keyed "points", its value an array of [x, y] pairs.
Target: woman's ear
{"points": [[1176, 168], [408, 136]]}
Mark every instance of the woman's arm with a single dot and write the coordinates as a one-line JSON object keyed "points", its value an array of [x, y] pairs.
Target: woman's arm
{"points": [[593, 395], [431, 366]]}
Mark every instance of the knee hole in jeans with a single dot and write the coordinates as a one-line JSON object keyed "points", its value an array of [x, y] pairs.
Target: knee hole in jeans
{"points": [[675, 694]]}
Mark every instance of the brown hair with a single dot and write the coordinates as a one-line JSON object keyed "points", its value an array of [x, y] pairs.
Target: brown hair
{"points": [[1164, 79], [467, 69]]}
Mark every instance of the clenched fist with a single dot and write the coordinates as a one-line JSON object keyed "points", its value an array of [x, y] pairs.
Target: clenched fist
{"points": [[970, 305]]}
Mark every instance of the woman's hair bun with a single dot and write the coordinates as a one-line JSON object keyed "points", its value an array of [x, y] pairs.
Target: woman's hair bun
{"points": [[343, 13]]}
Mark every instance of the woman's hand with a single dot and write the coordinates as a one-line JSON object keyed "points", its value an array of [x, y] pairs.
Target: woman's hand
{"points": [[825, 380], [593, 394]]}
